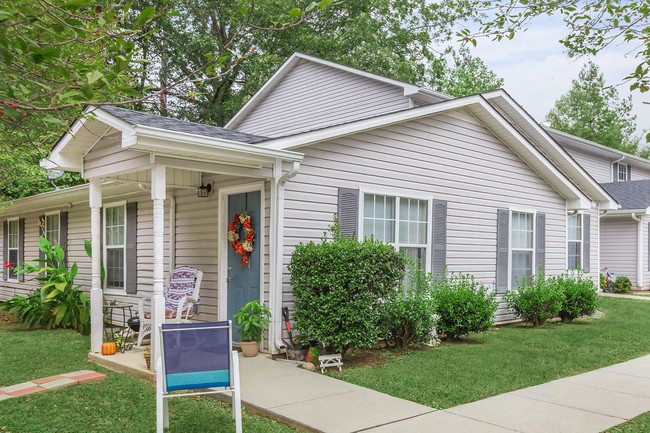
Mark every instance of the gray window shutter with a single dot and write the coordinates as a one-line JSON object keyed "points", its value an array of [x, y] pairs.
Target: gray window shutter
{"points": [[503, 234], [629, 172], [540, 244], [649, 246], [615, 172], [63, 235], [439, 238], [41, 232], [586, 244], [5, 249], [348, 211], [21, 246], [131, 248]]}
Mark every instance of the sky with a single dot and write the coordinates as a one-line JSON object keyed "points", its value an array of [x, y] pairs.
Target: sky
{"points": [[537, 71]]}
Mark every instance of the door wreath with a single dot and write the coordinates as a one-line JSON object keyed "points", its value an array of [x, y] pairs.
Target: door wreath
{"points": [[245, 248]]}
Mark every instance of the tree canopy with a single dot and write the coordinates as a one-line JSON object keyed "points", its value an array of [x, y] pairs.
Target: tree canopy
{"points": [[592, 25], [594, 111], [199, 60]]}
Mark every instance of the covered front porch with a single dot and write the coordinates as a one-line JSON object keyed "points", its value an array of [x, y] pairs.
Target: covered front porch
{"points": [[185, 182]]}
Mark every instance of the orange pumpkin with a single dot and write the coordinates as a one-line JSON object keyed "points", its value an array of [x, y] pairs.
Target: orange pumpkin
{"points": [[109, 348]]}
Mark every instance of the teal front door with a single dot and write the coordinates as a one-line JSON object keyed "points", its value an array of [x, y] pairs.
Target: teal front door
{"points": [[243, 280]]}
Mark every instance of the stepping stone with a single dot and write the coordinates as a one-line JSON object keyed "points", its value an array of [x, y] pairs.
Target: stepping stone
{"points": [[60, 383], [52, 382]]}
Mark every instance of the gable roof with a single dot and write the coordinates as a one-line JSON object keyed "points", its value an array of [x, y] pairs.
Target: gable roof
{"points": [[409, 90], [633, 194], [170, 124], [160, 136], [594, 148], [541, 152]]}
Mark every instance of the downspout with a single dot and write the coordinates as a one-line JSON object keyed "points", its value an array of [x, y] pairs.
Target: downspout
{"points": [[639, 252], [277, 256]]}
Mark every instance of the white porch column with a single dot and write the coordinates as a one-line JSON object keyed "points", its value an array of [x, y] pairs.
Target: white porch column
{"points": [[96, 293], [158, 187]]}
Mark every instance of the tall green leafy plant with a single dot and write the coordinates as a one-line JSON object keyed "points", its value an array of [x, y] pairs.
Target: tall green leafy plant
{"points": [[253, 317], [57, 302]]}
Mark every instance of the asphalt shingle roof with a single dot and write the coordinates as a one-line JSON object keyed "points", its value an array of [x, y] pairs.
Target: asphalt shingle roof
{"points": [[634, 194], [168, 123]]}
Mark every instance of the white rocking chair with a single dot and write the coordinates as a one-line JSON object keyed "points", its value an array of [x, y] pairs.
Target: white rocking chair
{"points": [[180, 297]]}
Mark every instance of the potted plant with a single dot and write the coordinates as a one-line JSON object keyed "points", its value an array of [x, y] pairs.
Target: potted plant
{"points": [[253, 319]]}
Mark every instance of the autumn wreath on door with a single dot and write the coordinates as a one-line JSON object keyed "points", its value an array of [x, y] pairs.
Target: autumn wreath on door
{"points": [[243, 248]]}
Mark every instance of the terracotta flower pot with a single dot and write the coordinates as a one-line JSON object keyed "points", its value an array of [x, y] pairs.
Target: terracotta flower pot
{"points": [[249, 348]]}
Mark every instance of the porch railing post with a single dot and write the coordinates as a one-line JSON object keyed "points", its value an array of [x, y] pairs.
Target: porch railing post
{"points": [[158, 187], [96, 292]]}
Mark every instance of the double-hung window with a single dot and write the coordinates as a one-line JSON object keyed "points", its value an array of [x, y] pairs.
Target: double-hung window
{"points": [[13, 248], [522, 241], [574, 241], [622, 173], [52, 228], [115, 246], [400, 221]]}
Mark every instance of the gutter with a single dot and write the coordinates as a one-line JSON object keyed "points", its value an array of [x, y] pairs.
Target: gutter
{"points": [[277, 255], [639, 252]]}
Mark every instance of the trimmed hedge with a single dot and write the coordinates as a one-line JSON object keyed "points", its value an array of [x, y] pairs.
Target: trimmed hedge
{"points": [[338, 286], [463, 306], [580, 296], [536, 300]]}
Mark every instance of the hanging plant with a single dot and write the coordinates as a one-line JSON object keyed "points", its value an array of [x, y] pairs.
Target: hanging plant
{"points": [[243, 248]]}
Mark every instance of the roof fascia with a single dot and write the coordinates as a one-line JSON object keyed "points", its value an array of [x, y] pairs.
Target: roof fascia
{"points": [[586, 180], [162, 141], [597, 148], [317, 136], [313, 137]]}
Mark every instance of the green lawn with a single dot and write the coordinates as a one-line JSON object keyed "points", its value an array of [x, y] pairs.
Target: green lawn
{"points": [[119, 403], [509, 357], [637, 425]]}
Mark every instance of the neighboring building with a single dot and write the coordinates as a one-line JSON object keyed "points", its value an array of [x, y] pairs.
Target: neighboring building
{"points": [[471, 185], [624, 232]]}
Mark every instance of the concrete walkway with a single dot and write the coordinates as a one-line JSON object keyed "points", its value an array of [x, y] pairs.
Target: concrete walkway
{"points": [[589, 402], [632, 296]]}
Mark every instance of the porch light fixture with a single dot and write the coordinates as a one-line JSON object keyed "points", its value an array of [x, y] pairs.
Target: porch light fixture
{"points": [[204, 190]]}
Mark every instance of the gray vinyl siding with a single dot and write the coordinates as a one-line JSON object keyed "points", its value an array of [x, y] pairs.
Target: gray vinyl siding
{"points": [[107, 153], [448, 158], [600, 167], [618, 246], [312, 96]]}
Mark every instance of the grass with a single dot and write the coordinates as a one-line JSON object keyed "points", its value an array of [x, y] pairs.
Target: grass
{"points": [[507, 358], [639, 424], [119, 403]]}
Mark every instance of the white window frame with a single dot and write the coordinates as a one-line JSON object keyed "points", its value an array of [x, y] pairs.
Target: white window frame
{"points": [[398, 194], [627, 172], [582, 239], [45, 228], [113, 290], [510, 249], [9, 249]]}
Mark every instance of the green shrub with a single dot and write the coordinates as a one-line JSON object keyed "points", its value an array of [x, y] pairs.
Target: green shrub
{"points": [[603, 282], [622, 284], [406, 317], [253, 318], [338, 286], [57, 303], [580, 295], [536, 300], [463, 306]]}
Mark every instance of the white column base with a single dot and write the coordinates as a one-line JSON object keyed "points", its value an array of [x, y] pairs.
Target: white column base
{"points": [[96, 320], [157, 318]]}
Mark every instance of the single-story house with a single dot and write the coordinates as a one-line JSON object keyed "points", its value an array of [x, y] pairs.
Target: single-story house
{"points": [[472, 185]]}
